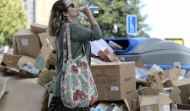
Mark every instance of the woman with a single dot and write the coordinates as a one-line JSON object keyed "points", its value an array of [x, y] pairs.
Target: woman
{"points": [[64, 11]]}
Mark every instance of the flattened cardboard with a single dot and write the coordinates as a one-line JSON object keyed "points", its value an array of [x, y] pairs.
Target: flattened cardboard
{"points": [[116, 79], [28, 43], [25, 59], [38, 28], [11, 60], [24, 95]]}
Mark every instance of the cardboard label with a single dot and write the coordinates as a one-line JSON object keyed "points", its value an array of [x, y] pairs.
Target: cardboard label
{"points": [[114, 88], [166, 108], [41, 63], [183, 73], [149, 108], [24, 42]]}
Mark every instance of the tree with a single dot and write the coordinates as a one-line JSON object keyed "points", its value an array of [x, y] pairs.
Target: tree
{"points": [[112, 13], [12, 18]]}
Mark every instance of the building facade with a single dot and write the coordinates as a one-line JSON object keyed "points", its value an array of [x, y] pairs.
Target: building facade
{"points": [[38, 11]]}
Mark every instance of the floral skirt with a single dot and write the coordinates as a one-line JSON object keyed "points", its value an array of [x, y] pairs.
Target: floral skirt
{"points": [[57, 105]]}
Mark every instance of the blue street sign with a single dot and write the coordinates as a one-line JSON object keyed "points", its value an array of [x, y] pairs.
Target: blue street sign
{"points": [[131, 24]]}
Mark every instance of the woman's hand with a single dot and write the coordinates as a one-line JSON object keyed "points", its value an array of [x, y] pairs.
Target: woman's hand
{"points": [[85, 10], [88, 13]]}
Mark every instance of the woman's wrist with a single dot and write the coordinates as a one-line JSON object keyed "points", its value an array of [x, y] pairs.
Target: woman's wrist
{"points": [[91, 19]]}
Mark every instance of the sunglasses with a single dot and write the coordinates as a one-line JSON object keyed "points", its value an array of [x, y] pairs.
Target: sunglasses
{"points": [[71, 5]]}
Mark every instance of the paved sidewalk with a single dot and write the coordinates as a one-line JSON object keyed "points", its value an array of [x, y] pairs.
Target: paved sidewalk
{"points": [[1, 57]]}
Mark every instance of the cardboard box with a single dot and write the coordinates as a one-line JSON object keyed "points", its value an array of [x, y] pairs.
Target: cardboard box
{"points": [[28, 43], [174, 92], [155, 103], [44, 36], [103, 56], [184, 86], [11, 60], [38, 28], [111, 56], [51, 64], [15, 48], [132, 98], [108, 56], [116, 79], [46, 49], [46, 76], [155, 75], [131, 101], [174, 73], [52, 56]]}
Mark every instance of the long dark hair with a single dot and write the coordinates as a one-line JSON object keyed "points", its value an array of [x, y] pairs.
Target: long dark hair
{"points": [[56, 17]]}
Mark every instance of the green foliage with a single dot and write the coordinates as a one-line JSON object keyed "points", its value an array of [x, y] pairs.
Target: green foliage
{"points": [[12, 18], [115, 12]]}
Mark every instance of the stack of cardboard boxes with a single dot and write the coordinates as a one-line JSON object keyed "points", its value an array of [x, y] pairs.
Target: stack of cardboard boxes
{"points": [[115, 80], [35, 49], [31, 45]]}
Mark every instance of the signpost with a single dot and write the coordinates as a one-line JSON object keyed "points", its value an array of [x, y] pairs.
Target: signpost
{"points": [[131, 24]]}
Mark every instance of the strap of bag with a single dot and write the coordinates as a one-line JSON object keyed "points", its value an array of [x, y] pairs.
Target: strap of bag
{"points": [[68, 41], [67, 34], [65, 41]]}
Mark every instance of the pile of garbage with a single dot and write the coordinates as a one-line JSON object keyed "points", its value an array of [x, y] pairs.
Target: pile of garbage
{"points": [[122, 85]]}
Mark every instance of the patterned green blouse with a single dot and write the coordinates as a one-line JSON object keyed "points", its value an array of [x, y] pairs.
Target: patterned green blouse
{"points": [[79, 35]]}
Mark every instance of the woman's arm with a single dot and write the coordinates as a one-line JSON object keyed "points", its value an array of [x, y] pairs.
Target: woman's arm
{"points": [[82, 34]]}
